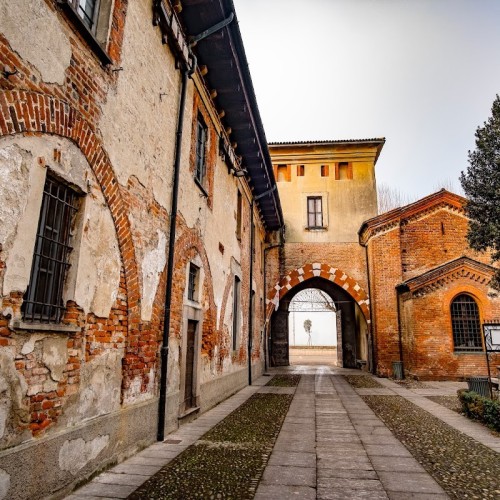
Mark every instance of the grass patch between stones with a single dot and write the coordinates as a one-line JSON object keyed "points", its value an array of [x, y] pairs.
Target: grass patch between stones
{"points": [[284, 380], [228, 461], [362, 381], [463, 467]]}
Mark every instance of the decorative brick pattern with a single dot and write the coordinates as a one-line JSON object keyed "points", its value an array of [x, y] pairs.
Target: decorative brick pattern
{"points": [[325, 271]]}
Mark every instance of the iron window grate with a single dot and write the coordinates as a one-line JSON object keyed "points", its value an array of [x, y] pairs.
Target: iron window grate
{"points": [[201, 142], [193, 275], [43, 298], [466, 324]]}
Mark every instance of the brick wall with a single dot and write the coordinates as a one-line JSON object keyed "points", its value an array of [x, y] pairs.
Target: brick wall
{"points": [[413, 247]]}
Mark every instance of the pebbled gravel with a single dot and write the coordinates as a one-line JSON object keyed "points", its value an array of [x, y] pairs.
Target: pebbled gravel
{"points": [[450, 402], [228, 461], [463, 467], [284, 380], [362, 381]]}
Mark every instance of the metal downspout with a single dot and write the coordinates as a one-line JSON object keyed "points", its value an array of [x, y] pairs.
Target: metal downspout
{"points": [[400, 333], [171, 246], [372, 322], [250, 308]]}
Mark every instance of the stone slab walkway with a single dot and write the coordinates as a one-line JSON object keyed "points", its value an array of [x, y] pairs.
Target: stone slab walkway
{"points": [[331, 445]]}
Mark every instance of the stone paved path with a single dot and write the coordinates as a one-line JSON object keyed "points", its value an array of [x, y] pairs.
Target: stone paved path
{"points": [[331, 445]]}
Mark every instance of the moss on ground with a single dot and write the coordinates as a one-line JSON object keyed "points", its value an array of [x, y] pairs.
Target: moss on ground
{"points": [[284, 380], [463, 467], [228, 461], [362, 381]]}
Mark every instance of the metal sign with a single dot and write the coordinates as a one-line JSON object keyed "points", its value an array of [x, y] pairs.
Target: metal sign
{"points": [[492, 336]]}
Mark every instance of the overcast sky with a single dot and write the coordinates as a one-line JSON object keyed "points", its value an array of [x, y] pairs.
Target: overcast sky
{"points": [[421, 73]]}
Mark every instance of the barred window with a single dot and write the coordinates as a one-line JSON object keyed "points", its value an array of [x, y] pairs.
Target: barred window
{"points": [[43, 298], [314, 212], [466, 324], [201, 146], [193, 281], [236, 311]]}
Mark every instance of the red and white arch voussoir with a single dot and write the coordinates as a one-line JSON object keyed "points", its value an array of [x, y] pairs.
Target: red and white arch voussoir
{"points": [[315, 270]]}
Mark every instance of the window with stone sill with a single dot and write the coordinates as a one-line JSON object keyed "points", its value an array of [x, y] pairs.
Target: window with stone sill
{"points": [[236, 312], [315, 212], [200, 171], [43, 300], [92, 18], [193, 280]]}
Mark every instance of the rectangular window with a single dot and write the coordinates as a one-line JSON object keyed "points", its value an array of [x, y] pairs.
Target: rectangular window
{"points": [[236, 311], [193, 282], [314, 212], [300, 170], [43, 301], [201, 146], [239, 209], [325, 170], [92, 20], [283, 173], [343, 171]]}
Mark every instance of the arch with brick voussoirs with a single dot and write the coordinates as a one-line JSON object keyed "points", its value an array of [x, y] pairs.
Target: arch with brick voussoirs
{"points": [[343, 290], [33, 113]]}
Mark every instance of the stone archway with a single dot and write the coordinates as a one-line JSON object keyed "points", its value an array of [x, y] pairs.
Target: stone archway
{"points": [[349, 296]]}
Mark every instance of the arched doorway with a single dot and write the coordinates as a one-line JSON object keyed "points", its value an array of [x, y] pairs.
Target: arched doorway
{"points": [[312, 327], [351, 326]]}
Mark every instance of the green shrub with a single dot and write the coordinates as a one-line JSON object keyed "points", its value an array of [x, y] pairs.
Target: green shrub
{"points": [[479, 408]]}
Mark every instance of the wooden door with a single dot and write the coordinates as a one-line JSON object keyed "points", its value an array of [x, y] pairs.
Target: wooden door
{"points": [[189, 399]]}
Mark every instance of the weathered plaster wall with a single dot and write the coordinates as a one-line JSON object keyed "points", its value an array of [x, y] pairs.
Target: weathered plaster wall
{"points": [[51, 53], [346, 202], [95, 264], [139, 117]]}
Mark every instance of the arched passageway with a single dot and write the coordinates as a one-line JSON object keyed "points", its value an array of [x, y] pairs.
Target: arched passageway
{"points": [[350, 325]]}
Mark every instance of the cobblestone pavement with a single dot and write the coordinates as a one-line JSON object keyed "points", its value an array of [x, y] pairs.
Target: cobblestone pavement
{"points": [[331, 444]]}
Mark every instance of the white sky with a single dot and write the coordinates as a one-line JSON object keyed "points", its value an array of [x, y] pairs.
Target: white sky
{"points": [[422, 73]]}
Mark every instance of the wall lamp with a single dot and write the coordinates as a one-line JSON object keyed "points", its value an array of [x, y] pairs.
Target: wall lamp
{"points": [[242, 172]]}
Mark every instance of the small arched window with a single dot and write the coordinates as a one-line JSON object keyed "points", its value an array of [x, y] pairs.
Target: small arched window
{"points": [[466, 324]]}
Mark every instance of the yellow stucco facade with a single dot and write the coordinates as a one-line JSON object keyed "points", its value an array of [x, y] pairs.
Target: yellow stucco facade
{"points": [[339, 173]]}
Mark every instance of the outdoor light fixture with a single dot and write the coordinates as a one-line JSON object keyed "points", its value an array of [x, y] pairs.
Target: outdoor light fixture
{"points": [[240, 172]]}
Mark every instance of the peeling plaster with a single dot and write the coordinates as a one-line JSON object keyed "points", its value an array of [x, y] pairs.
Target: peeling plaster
{"points": [[147, 154], [135, 394], [55, 356], [13, 388], [4, 484], [99, 261], [152, 266], [13, 178], [77, 453], [100, 385], [29, 345], [94, 274], [51, 53]]}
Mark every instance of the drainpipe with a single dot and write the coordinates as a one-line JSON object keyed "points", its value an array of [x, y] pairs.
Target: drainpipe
{"points": [[372, 319], [173, 214], [250, 315], [171, 246], [400, 333]]}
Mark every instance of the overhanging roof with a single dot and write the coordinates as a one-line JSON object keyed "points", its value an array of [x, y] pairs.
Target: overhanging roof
{"points": [[377, 142], [228, 74]]}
